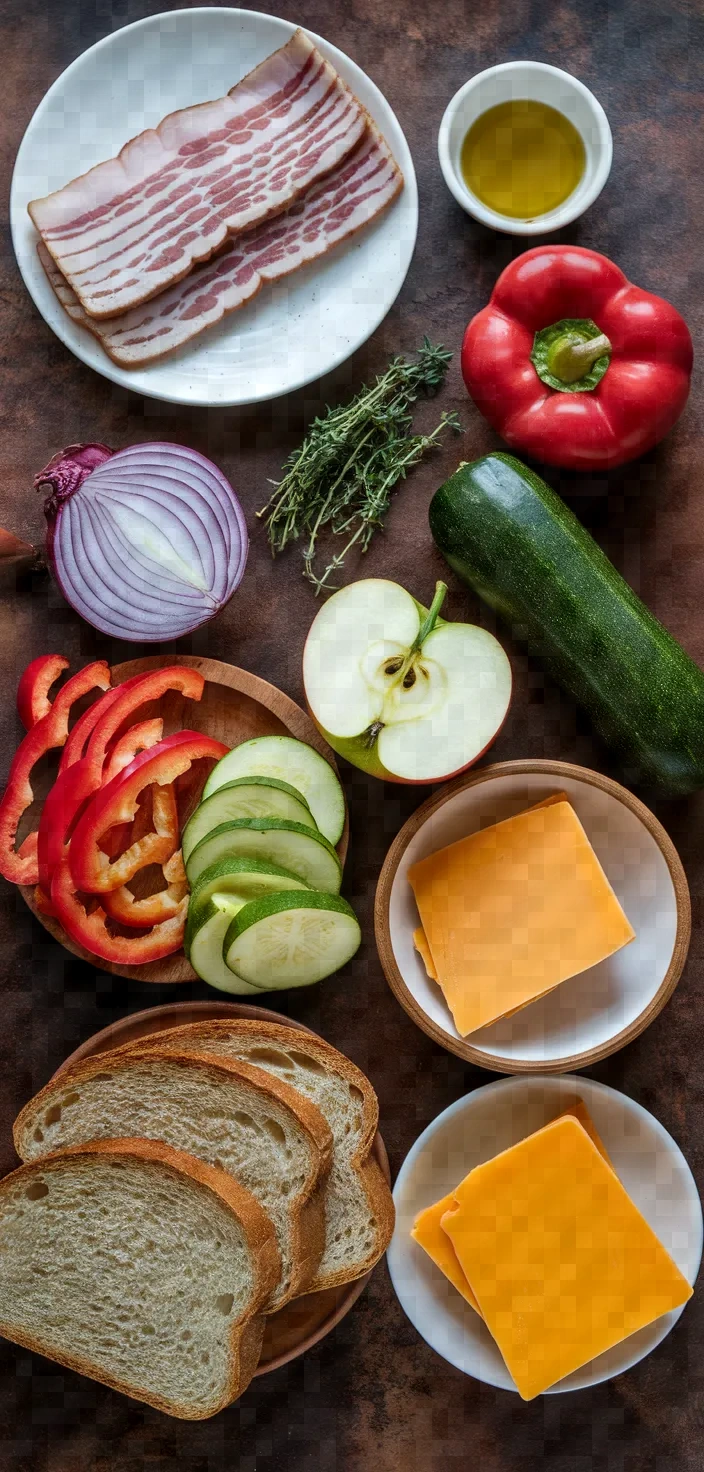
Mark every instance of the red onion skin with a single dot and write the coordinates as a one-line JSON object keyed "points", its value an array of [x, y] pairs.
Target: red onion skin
{"points": [[63, 476], [66, 471]]}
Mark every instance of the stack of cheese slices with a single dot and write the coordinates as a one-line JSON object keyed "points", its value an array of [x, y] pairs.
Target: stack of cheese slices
{"points": [[545, 1244], [177, 1190], [512, 911]]}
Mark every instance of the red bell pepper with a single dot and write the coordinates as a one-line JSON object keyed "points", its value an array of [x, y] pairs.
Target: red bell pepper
{"points": [[89, 928], [123, 906], [35, 683], [85, 725], [572, 364], [20, 866], [73, 787], [138, 738], [123, 751], [93, 871], [82, 778], [133, 694]]}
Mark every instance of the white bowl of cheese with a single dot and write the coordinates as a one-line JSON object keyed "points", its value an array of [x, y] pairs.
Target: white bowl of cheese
{"points": [[593, 1012], [648, 1163]]}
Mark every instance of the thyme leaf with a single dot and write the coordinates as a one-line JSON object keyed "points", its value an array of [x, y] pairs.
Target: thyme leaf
{"points": [[342, 477]]}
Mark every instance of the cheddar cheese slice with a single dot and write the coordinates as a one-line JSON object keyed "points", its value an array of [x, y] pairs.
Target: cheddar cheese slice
{"points": [[510, 912], [420, 941], [560, 1260], [430, 1234]]}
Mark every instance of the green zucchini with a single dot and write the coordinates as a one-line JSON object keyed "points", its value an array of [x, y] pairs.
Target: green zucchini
{"points": [[507, 535]]}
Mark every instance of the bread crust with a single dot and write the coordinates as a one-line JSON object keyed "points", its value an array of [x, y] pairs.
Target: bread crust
{"points": [[307, 1209], [246, 1332], [371, 1176]]}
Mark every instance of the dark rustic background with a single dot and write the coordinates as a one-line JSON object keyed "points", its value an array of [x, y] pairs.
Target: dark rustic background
{"points": [[373, 1395]]}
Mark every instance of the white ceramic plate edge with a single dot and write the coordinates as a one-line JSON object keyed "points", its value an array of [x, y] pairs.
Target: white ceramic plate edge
{"points": [[147, 380], [582, 1087], [527, 1052]]}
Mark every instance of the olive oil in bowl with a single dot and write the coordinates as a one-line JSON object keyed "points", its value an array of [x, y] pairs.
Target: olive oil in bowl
{"points": [[522, 159]]}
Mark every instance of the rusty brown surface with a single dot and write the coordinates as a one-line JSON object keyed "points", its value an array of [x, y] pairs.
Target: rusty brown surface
{"points": [[374, 1396]]}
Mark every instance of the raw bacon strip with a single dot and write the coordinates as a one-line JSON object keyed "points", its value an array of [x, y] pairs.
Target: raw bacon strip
{"points": [[133, 226], [332, 211]]}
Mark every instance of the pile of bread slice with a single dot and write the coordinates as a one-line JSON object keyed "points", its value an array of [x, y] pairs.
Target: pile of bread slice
{"points": [[176, 1191]]}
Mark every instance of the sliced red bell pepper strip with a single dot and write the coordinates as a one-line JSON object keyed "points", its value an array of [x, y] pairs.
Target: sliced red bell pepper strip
{"points": [[139, 738], [136, 692], [120, 837], [154, 844], [74, 786], [84, 727], [90, 930], [20, 866], [121, 904], [117, 802], [35, 683], [123, 751], [69, 794]]}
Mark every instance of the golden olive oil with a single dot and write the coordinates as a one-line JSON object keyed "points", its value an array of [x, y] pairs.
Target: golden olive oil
{"points": [[522, 158]]}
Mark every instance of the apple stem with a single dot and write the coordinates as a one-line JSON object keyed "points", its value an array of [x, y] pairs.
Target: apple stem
{"points": [[426, 628], [402, 670], [430, 619]]}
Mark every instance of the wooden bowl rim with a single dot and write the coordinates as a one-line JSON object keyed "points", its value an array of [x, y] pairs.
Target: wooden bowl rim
{"points": [[110, 1036], [459, 1046], [233, 677]]}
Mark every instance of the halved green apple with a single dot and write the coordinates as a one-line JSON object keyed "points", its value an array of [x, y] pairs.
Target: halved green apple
{"points": [[399, 692]]}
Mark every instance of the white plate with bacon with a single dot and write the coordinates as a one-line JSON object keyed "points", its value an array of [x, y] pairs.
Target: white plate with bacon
{"points": [[253, 233]]}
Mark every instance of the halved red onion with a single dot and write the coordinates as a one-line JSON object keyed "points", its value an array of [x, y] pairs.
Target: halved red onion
{"points": [[146, 543]]}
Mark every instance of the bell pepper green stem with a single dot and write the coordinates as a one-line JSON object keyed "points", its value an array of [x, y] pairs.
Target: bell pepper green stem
{"points": [[570, 358]]}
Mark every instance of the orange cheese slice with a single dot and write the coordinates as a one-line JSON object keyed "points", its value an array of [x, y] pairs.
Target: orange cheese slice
{"points": [[429, 1233], [420, 939], [560, 1260], [510, 912], [420, 942]]}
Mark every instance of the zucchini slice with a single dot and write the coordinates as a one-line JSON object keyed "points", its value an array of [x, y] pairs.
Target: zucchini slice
{"points": [[292, 762], [246, 879], [246, 797], [205, 934], [291, 940], [277, 841]]}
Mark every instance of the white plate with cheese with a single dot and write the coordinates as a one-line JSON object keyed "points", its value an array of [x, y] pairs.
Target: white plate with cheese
{"points": [[646, 1159], [593, 1013]]}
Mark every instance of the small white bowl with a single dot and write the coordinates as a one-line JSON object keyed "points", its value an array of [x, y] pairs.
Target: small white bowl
{"points": [[645, 1157], [591, 1015], [532, 81]]}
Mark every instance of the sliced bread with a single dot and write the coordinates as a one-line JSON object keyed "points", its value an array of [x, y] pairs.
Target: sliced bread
{"points": [[227, 1113], [139, 1266], [359, 1210]]}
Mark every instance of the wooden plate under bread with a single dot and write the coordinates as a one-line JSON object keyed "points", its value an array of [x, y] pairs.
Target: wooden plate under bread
{"points": [[302, 1323], [235, 707], [590, 1015]]}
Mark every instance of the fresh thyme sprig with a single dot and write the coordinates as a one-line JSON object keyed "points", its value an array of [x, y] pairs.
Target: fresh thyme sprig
{"points": [[352, 458]]}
